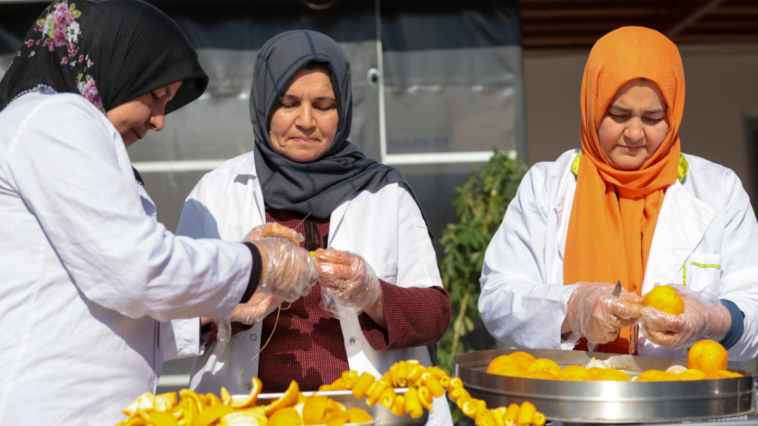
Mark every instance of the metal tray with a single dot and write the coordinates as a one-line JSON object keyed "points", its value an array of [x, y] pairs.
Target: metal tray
{"points": [[382, 416], [607, 402]]}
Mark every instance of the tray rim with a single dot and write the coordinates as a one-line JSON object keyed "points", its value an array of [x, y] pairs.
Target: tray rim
{"points": [[592, 393]]}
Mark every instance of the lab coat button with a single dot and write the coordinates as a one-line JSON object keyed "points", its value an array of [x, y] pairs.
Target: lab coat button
{"points": [[248, 386], [253, 337], [352, 340]]}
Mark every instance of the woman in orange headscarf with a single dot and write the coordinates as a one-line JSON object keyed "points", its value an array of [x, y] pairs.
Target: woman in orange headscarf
{"points": [[630, 208]]}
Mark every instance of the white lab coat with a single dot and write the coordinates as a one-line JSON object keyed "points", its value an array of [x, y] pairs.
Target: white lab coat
{"points": [[386, 228], [87, 271], [704, 220]]}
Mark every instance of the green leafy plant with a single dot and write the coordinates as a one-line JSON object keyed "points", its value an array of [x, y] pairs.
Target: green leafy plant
{"points": [[480, 204]]}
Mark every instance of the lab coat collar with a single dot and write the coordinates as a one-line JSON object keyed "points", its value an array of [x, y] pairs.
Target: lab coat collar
{"points": [[245, 166], [681, 226]]}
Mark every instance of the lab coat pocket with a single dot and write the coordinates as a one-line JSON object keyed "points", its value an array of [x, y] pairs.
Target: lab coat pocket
{"points": [[388, 272], [703, 270]]}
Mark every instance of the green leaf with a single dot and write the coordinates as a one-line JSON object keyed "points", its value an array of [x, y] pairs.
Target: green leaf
{"points": [[76, 13]]}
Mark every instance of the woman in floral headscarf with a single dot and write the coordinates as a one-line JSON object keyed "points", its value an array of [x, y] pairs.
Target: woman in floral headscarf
{"points": [[630, 208], [87, 271]]}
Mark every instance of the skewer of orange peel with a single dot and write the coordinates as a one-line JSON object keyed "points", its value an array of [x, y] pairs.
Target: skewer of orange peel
{"points": [[424, 384]]}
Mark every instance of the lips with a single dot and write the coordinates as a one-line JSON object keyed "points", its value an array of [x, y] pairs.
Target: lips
{"points": [[631, 149], [305, 140]]}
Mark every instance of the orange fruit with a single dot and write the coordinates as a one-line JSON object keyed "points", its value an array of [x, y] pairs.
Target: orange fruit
{"points": [[612, 375], [707, 356], [575, 373], [664, 299], [544, 364], [690, 374], [523, 355], [506, 363], [541, 374], [721, 374], [655, 376]]}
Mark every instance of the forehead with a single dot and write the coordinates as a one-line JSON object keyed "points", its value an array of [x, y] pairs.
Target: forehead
{"points": [[316, 81], [639, 91]]}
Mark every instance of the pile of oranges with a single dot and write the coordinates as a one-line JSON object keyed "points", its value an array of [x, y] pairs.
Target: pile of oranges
{"points": [[706, 360]]}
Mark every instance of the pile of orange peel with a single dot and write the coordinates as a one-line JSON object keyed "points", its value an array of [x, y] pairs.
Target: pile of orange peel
{"points": [[294, 408], [424, 384], [194, 409]]}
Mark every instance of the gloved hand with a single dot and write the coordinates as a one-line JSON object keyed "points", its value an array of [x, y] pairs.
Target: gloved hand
{"points": [[288, 270], [274, 229], [262, 302], [348, 284], [257, 308], [595, 314], [704, 317]]}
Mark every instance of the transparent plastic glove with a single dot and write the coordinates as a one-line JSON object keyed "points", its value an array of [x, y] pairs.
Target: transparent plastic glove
{"points": [[704, 317], [259, 306], [224, 326], [274, 230], [290, 271], [348, 284], [261, 303], [595, 314]]}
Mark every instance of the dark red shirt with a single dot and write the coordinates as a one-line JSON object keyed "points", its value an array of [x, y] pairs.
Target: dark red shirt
{"points": [[308, 345]]}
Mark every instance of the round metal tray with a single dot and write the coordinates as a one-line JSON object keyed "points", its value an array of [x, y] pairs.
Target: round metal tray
{"points": [[607, 402]]}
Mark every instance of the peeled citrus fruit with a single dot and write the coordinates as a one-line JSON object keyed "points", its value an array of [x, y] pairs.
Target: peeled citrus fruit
{"points": [[655, 376], [507, 365], [575, 373], [542, 375], [707, 356], [664, 299], [523, 355], [721, 374], [612, 375], [690, 374], [544, 364]]}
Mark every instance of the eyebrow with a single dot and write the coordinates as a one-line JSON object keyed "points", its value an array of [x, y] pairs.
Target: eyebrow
{"points": [[320, 98], [653, 111]]}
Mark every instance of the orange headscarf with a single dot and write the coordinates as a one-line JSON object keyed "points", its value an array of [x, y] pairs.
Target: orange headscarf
{"points": [[609, 236]]}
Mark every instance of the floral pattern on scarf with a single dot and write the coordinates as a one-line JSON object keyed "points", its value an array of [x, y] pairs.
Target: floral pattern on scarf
{"points": [[60, 34]]}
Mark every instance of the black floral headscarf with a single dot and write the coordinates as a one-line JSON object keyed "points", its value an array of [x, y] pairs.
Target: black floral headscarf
{"points": [[108, 51]]}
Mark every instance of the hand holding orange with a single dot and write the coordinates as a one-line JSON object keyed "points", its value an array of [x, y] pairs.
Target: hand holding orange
{"points": [[664, 299]]}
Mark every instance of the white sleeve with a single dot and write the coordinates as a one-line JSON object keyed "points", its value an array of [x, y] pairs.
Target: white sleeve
{"points": [[181, 337], [739, 263], [417, 261], [516, 304], [64, 164]]}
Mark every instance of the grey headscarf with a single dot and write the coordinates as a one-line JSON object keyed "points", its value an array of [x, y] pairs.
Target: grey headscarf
{"points": [[320, 186]]}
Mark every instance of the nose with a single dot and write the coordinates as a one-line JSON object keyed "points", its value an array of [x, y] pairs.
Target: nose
{"points": [[157, 121], [634, 130], [305, 119]]}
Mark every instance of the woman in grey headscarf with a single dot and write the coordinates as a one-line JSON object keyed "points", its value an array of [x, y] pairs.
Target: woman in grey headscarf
{"points": [[380, 298]]}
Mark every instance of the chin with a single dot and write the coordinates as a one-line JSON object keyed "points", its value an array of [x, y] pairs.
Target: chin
{"points": [[628, 164]]}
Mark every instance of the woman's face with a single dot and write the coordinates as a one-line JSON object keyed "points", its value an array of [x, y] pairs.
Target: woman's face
{"points": [[133, 119], [305, 120], [634, 125]]}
